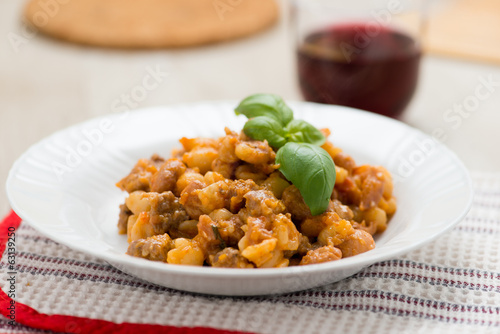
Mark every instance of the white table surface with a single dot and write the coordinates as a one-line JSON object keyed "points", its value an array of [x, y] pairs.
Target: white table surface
{"points": [[48, 85]]}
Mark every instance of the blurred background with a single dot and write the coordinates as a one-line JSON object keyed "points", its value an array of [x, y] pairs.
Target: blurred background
{"points": [[47, 84]]}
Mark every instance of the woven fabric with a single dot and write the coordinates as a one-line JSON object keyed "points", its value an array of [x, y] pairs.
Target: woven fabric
{"points": [[451, 285]]}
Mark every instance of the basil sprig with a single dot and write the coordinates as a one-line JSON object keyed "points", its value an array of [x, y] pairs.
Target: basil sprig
{"points": [[263, 127], [300, 131], [271, 119], [309, 167], [268, 105]]}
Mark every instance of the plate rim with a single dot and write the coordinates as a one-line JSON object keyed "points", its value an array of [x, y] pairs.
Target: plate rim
{"points": [[361, 260]]}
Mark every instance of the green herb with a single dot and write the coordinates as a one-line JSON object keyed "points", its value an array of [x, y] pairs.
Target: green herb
{"points": [[268, 105], [300, 131], [222, 244], [272, 120], [262, 127], [309, 167]]}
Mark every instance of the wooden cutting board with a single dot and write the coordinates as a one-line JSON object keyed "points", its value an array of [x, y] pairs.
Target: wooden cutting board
{"points": [[466, 29], [150, 23]]}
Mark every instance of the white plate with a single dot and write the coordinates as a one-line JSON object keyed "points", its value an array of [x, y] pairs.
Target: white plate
{"points": [[64, 187]]}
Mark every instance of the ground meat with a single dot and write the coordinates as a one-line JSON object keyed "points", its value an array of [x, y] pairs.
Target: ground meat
{"points": [[166, 178], [312, 226], [322, 254], [357, 243], [249, 172], [225, 204], [189, 198], [214, 196], [230, 230], [304, 245], [348, 192], [166, 212], [266, 168], [258, 244], [295, 204], [154, 248], [188, 229], [276, 183], [336, 232], [230, 258], [237, 191], [200, 199], [345, 161], [140, 176], [123, 219], [207, 239], [227, 169], [343, 211], [371, 180], [259, 229], [370, 227], [263, 203], [215, 234]]}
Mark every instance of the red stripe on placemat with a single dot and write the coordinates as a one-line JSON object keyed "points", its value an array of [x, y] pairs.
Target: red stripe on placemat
{"points": [[27, 316]]}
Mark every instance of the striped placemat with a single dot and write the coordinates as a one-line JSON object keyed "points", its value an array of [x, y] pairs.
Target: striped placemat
{"points": [[449, 286]]}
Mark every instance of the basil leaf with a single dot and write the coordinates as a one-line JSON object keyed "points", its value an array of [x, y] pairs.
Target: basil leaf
{"points": [[311, 169], [263, 127], [300, 131], [268, 105]]}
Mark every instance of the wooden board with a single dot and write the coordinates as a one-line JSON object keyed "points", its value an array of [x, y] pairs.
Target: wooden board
{"points": [[150, 23], [466, 29]]}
